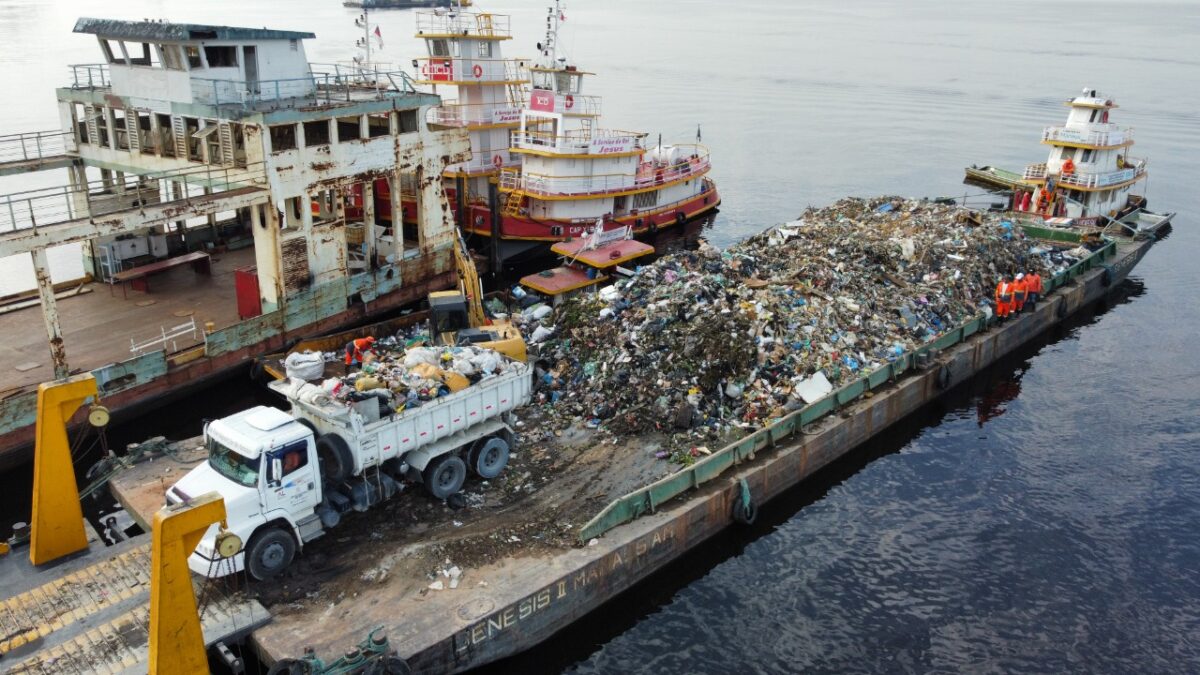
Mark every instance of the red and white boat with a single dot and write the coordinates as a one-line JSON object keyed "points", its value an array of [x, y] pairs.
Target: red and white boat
{"points": [[543, 170]]}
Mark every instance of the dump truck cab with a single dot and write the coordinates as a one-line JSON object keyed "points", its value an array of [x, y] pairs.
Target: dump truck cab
{"points": [[264, 464]]}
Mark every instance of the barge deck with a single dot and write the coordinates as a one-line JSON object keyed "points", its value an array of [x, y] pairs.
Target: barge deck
{"points": [[532, 566]]}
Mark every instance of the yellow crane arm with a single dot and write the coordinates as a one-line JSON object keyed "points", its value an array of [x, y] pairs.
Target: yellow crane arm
{"points": [[469, 282]]}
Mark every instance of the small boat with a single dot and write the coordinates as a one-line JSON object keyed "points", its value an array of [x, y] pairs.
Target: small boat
{"points": [[993, 177], [1087, 181]]}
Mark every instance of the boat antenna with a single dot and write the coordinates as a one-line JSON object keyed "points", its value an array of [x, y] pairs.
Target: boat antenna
{"points": [[550, 46], [698, 140], [364, 43]]}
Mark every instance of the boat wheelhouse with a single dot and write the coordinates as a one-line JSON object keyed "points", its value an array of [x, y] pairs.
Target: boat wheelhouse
{"points": [[1089, 172]]}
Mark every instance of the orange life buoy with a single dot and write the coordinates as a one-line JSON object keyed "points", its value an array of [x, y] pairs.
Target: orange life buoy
{"points": [[478, 70], [497, 161], [570, 100]]}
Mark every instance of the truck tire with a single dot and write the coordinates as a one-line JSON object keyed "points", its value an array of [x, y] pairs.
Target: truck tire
{"points": [[444, 475], [269, 553], [489, 457], [335, 459]]}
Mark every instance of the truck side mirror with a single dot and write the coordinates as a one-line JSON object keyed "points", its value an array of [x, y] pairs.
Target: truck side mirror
{"points": [[276, 469]]}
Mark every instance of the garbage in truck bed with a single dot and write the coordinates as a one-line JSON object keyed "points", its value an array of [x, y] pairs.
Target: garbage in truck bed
{"points": [[399, 376], [703, 343]]}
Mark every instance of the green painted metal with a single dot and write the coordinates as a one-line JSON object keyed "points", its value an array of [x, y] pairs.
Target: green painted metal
{"points": [[130, 373], [646, 499]]}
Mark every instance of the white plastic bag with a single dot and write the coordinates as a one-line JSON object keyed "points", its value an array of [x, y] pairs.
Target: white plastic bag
{"points": [[305, 365]]}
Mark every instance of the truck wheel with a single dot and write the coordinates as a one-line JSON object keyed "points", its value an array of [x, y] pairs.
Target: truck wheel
{"points": [[269, 553], [489, 457], [445, 475], [335, 459]]}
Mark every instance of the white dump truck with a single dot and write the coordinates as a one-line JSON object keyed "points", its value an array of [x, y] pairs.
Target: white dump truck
{"points": [[288, 476]]}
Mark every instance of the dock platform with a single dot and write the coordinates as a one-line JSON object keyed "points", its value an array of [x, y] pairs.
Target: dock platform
{"points": [[90, 613], [524, 584]]}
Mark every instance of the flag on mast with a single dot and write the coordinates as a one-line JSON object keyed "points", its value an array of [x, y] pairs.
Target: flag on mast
{"points": [[561, 16], [379, 36]]}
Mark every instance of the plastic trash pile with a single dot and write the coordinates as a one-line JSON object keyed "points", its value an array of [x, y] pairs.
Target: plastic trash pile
{"points": [[711, 341]]}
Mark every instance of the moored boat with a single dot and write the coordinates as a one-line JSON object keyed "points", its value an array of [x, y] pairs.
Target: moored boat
{"points": [[556, 170]]}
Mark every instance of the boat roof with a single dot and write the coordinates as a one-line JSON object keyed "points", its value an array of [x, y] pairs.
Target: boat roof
{"points": [[180, 32]]}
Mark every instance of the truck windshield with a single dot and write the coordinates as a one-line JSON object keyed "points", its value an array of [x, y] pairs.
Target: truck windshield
{"points": [[237, 468]]}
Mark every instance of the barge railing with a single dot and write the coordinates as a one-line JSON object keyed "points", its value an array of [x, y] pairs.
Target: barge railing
{"points": [[647, 499]]}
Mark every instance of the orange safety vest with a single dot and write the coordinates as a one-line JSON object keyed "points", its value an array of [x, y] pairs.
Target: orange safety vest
{"points": [[1068, 168], [1019, 288], [1003, 292], [1035, 283]]}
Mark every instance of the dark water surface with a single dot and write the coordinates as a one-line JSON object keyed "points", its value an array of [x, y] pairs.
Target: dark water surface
{"points": [[1044, 519]]}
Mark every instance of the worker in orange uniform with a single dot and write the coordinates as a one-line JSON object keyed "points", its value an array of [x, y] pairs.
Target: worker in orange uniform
{"points": [[1033, 289], [1068, 167], [1019, 287], [355, 349], [1003, 298]]}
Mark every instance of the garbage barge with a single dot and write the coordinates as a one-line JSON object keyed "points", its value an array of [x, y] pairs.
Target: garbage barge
{"points": [[459, 589]]}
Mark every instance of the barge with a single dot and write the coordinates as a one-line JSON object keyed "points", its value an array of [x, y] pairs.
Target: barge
{"points": [[534, 580], [224, 150]]}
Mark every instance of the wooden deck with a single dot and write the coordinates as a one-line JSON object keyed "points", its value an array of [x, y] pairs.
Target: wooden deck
{"points": [[98, 326]]}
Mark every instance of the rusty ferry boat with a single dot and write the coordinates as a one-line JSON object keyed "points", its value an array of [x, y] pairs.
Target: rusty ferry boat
{"points": [[224, 150]]}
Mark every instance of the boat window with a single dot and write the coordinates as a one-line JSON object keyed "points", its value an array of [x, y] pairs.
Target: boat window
{"points": [[143, 54], [221, 57], [1087, 155], [172, 58], [316, 133], [227, 462], [438, 48], [192, 52], [408, 121], [283, 137], [349, 129], [485, 49], [112, 53], [379, 124], [166, 139]]}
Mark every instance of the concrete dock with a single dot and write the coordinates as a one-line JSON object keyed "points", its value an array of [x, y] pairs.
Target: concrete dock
{"points": [[511, 601]]}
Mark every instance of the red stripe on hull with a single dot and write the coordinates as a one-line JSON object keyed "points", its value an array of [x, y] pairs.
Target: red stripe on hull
{"points": [[520, 228]]}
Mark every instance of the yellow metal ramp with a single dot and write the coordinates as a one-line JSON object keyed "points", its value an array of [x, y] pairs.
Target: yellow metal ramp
{"points": [[92, 614]]}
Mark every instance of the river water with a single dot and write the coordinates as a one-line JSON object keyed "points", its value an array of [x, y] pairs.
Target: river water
{"points": [[1044, 519]]}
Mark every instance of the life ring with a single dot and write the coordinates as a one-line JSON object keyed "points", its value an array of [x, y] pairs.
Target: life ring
{"points": [[570, 101], [477, 71], [497, 161]]}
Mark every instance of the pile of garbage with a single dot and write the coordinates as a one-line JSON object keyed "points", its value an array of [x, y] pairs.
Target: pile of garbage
{"points": [[401, 376], [712, 341]]}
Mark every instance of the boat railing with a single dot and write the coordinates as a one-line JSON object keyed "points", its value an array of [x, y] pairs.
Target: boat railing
{"points": [[467, 70], [567, 104], [1099, 135], [40, 207], [1035, 171], [480, 163], [90, 76], [336, 83], [455, 114], [33, 145], [581, 141], [649, 175], [463, 24], [1092, 176]]}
